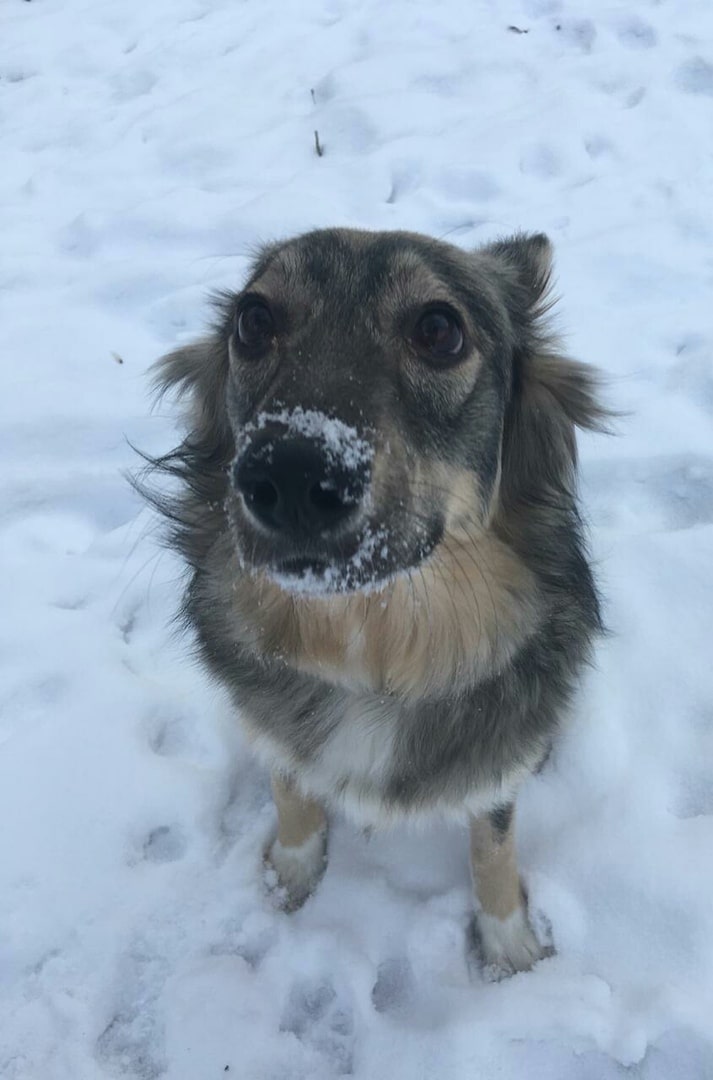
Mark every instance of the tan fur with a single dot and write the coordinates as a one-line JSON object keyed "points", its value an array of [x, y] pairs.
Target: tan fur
{"points": [[461, 614], [298, 818], [494, 864]]}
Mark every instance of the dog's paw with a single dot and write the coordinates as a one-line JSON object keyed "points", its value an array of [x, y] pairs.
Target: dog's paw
{"points": [[504, 946], [293, 873]]}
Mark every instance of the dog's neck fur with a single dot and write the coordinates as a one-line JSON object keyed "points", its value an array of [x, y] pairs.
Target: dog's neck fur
{"points": [[453, 621]]}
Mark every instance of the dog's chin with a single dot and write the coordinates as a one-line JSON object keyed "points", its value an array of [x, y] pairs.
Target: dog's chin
{"points": [[316, 578], [370, 564], [325, 577]]}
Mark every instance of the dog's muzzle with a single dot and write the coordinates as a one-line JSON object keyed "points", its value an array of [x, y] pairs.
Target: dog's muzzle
{"points": [[293, 486]]}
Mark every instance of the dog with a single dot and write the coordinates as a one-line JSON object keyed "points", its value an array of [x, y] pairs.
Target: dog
{"points": [[377, 503]]}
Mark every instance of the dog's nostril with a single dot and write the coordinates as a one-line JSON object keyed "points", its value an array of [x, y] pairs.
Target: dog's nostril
{"points": [[262, 494], [296, 486], [327, 498]]}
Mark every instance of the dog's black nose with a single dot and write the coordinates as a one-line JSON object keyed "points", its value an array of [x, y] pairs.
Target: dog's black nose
{"points": [[294, 484]]}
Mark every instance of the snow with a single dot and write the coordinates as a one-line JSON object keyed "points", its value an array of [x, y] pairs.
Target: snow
{"points": [[341, 442], [334, 578], [146, 149]]}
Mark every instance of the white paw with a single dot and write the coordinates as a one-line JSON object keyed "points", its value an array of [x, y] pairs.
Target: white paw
{"points": [[295, 871], [505, 946]]}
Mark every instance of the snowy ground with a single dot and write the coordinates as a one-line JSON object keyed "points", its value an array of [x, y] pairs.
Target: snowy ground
{"points": [[145, 147]]}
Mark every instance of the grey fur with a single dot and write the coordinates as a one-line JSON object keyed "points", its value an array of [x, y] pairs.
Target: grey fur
{"points": [[506, 415]]}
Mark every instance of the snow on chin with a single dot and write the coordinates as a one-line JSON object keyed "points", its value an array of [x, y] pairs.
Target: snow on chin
{"points": [[329, 581], [342, 443], [359, 573]]}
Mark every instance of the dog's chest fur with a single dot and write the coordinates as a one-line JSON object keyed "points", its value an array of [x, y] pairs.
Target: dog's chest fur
{"points": [[363, 756], [374, 702], [459, 619], [353, 757]]}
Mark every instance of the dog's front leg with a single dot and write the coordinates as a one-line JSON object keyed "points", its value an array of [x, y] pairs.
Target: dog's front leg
{"points": [[298, 852], [502, 934]]}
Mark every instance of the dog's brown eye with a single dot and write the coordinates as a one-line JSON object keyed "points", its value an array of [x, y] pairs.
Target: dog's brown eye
{"points": [[254, 325], [438, 333]]}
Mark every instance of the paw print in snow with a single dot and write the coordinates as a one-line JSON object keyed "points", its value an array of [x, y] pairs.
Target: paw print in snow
{"points": [[317, 1015]]}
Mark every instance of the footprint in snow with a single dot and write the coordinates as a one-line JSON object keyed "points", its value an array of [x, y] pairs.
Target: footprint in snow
{"points": [[250, 938], [579, 33], [692, 370], [320, 1018], [394, 986], [695, 76], [127, 1045], [164, 844], [540, 161], [131, 1044], [167, 735], [15, 75], [634, 98], [635, 33], [325, 89], [599, 146]]}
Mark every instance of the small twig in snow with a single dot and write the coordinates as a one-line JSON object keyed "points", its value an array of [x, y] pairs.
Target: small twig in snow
{"points": [[317, 145]]}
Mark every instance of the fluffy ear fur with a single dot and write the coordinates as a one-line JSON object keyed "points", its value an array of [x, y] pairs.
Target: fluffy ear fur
{"points": [[196, 512], [526, 261], [198, 372], [550, 395], [540, 371]]}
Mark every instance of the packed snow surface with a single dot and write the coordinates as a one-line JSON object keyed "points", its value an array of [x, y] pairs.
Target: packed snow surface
{"points": [[146, 149]]}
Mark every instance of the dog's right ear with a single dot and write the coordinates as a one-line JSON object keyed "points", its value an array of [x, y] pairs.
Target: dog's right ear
{"points": [[195, 514], [181, 369], [198, 373]]}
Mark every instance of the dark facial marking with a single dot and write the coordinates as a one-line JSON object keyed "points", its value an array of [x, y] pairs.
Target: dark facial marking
{"points": [[501, 819]]}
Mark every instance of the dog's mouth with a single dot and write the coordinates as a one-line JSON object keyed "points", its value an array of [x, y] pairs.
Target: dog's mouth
{"points": [[375, 557], [366, 568], [313, 578]]}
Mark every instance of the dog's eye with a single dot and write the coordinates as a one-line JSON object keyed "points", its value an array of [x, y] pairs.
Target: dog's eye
{"points": [[438, 334], [254, 325]]}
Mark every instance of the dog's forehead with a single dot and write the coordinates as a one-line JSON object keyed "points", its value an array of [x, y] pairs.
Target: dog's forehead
{"points": [[356, 267]]}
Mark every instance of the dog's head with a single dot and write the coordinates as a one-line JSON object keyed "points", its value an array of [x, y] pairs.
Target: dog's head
{"points": [[357, 399]]}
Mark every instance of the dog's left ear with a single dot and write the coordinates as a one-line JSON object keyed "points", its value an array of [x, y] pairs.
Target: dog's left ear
{"points": [[526, 263], [542, 375], [523, 265]]}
